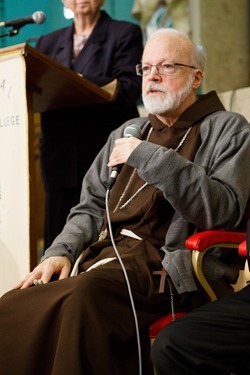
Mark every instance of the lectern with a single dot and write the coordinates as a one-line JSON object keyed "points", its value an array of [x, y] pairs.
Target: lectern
{"points": [[30, 82]]}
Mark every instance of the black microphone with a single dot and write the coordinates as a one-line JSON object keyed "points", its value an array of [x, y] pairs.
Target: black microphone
{"points": [[37, 17], [132, 130]]}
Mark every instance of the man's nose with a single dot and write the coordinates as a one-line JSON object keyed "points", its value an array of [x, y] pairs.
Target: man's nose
{"points": [[154, 73]]}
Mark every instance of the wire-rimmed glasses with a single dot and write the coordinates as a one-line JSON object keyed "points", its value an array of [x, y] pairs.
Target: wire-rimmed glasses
{"points": [[162, 68]]}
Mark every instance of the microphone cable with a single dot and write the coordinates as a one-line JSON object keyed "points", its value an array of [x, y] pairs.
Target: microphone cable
{"points": [[127, 281]]}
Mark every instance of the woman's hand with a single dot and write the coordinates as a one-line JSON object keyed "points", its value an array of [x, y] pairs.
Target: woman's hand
{"points": [[58, 265]]}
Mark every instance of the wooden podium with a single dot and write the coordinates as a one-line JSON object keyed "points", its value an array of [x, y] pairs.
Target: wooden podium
{"points": [[30, 83]]}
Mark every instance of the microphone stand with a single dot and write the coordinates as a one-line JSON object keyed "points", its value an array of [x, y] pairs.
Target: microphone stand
{"points": [[12, 32]]}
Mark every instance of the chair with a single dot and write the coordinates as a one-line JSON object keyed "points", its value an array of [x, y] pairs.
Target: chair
{"points": [[199, 244]]}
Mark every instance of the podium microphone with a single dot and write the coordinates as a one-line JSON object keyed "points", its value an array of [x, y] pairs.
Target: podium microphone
{"points": [[37, 17], [132, 130]]}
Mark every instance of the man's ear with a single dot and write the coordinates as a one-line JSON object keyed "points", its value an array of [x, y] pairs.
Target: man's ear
{"points": [[198, 79]]}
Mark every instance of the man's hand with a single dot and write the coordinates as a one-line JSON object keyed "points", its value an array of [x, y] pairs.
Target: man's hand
{"points": [[122, 150], [59, 265]]}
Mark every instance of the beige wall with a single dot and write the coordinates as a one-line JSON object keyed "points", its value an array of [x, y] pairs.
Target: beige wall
{"points": [[237, 101], [222, 27]]}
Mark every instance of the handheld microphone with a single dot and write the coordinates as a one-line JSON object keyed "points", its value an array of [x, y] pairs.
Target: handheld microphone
{"points": [[132, 130], [37, 17]]}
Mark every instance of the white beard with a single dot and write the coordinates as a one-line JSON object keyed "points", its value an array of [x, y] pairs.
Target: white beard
{"points": [[165, 101]]}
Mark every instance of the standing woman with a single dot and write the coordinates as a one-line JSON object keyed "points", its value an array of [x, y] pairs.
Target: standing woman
{"points": [[101, 49]]}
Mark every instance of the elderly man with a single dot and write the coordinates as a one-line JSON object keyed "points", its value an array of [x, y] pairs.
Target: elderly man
{"points": [[189, 170]]}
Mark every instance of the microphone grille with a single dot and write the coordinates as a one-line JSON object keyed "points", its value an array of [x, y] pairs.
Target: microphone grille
{"points": [[133, 130], [39, 17]]}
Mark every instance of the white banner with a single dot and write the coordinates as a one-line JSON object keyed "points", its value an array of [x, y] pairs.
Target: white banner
{"points": [[14, 172]]}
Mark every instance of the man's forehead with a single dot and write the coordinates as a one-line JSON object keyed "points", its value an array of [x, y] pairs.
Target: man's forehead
{"points": [[166, 47]]}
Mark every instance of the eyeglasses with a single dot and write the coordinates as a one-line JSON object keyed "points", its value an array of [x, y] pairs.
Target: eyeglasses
{"points": [[163, 68]]}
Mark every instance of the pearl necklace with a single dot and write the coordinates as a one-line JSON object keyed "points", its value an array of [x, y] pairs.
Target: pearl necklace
{"points": [[125, 204]]}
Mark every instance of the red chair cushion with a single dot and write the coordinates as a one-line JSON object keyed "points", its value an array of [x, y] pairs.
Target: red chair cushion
{"points": [[161, 323], [243, 249], [202, 240]]}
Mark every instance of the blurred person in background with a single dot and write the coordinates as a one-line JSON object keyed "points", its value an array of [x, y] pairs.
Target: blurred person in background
{"points": [[102, 50]]}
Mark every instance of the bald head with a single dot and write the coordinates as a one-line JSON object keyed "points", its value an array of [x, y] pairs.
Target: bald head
{"points": [[174, 45]]}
